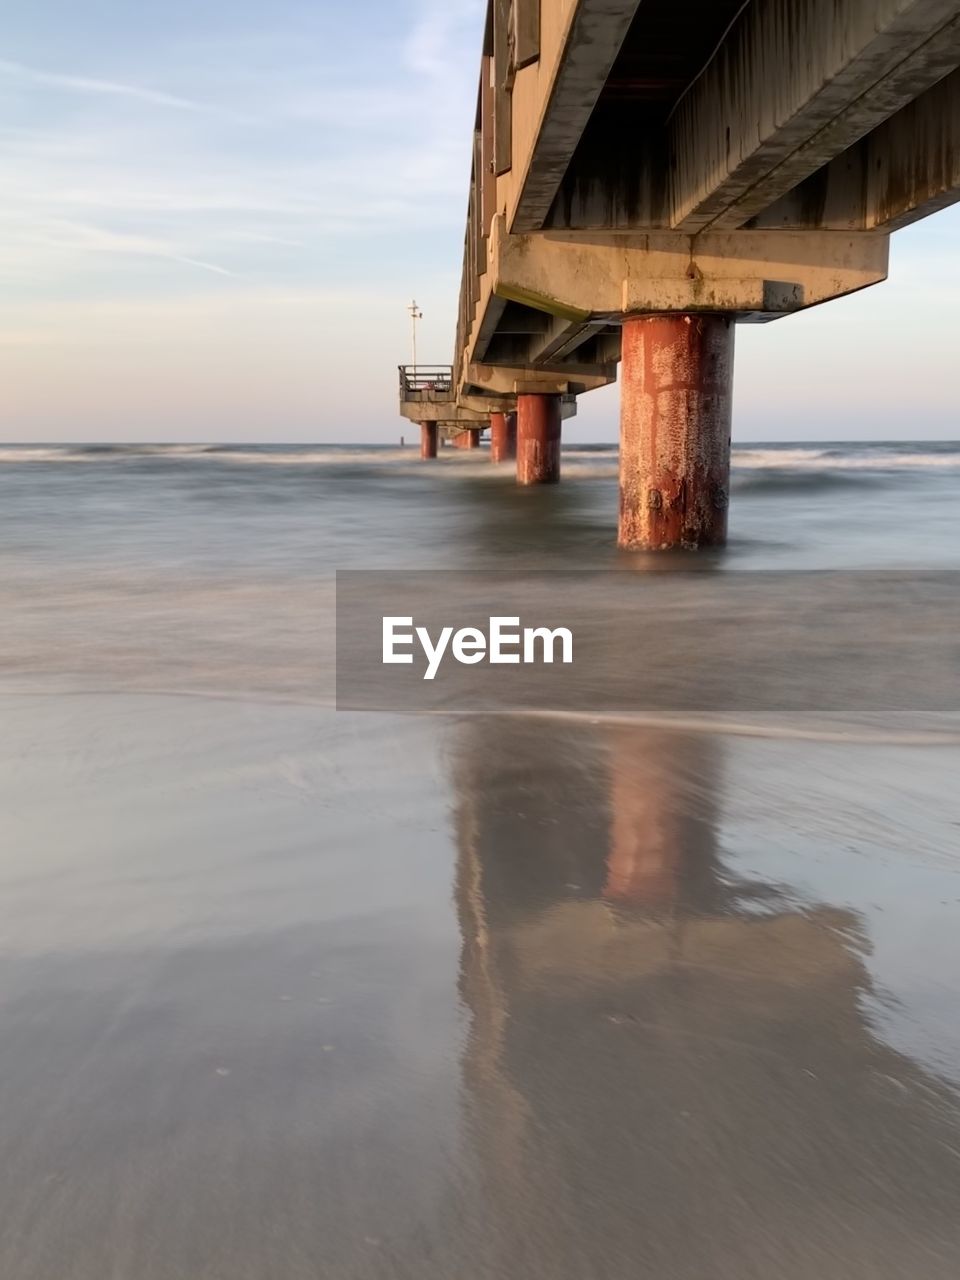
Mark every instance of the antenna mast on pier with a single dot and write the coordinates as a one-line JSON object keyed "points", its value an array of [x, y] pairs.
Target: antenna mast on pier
{"points": [[415, 315]]}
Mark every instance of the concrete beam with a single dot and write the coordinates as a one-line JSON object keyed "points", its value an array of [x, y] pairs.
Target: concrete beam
{"points": [[579, 277], [590, 46], [913, 160], [485, 405], [904, 170], [758, 122], [520, 321], [561, 339], [504, 380], [448, 411], [490, 315]]}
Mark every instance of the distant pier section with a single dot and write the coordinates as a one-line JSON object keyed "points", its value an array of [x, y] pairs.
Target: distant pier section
{"points": [[427, 398]]}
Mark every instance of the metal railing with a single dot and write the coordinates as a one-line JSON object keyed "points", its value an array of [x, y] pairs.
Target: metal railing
{"points": [[425, 381]]}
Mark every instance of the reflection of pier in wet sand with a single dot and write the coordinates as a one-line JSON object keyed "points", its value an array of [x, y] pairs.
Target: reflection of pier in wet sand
{"points": [[670, 1068]]}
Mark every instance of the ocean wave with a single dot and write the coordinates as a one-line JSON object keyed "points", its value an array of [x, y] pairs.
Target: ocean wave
{"points": [[852, 733], [803, 481], [602, 470], [16, 454], [595, 461], [311, 457], [98, 452], [270, 456], [836, 459]]}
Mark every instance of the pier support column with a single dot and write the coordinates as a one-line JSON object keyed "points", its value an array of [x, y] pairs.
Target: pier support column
{"points": [[428, 439], [503, 437], [538, 439], [472, 440], [676, 393]]}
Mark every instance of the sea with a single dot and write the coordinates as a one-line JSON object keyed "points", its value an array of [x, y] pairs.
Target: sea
{"points": [[293, 988]]}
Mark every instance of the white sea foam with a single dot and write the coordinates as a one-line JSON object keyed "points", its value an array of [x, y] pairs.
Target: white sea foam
{"points": [[207, 453], [827, 459], [598, 463], [310, 457], [35, 455]]}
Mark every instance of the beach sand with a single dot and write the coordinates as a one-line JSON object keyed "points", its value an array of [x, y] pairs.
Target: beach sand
{"points": [[290, 992]]}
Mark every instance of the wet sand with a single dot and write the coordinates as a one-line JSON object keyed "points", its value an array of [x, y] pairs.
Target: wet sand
{"points": [[288, 992]]}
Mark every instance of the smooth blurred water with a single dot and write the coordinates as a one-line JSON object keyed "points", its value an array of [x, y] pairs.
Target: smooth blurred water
{"points": [[308, 509], [289, 992], [146, 565]]}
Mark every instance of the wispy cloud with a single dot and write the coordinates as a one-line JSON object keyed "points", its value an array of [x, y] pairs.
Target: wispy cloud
{"points": [[86, 84], [65, 242], [202, 266]]}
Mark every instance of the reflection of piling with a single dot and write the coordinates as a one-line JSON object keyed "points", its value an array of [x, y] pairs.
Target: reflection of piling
{"points": [[676, 388], [662, 820], [538, 439], [649, 1032]]}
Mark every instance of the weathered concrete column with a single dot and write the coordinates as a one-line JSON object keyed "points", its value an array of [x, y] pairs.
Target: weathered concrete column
{"points": [[676, 374], [512, 433], [538, 439], [428, 439], [503, 437], [472, 440]]}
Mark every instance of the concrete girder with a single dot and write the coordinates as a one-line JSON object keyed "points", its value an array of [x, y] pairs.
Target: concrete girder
{"points": [[568, 407], [755, 124], [447, 411], [485, 405], [602, 276], [489, 315], [506, 380], [913, 159], [562, 338], [588, 49], [905, 169], [519, 321]]}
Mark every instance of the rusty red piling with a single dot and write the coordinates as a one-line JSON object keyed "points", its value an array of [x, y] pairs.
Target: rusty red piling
{"points": [[676, 375], [428, 439], [538, 439], [503, 437]]}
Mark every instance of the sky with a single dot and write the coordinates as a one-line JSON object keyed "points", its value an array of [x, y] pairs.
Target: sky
{"points": [[214, 216]]}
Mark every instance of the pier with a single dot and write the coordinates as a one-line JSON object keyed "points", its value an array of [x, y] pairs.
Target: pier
{"points": [[646, 175]]}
